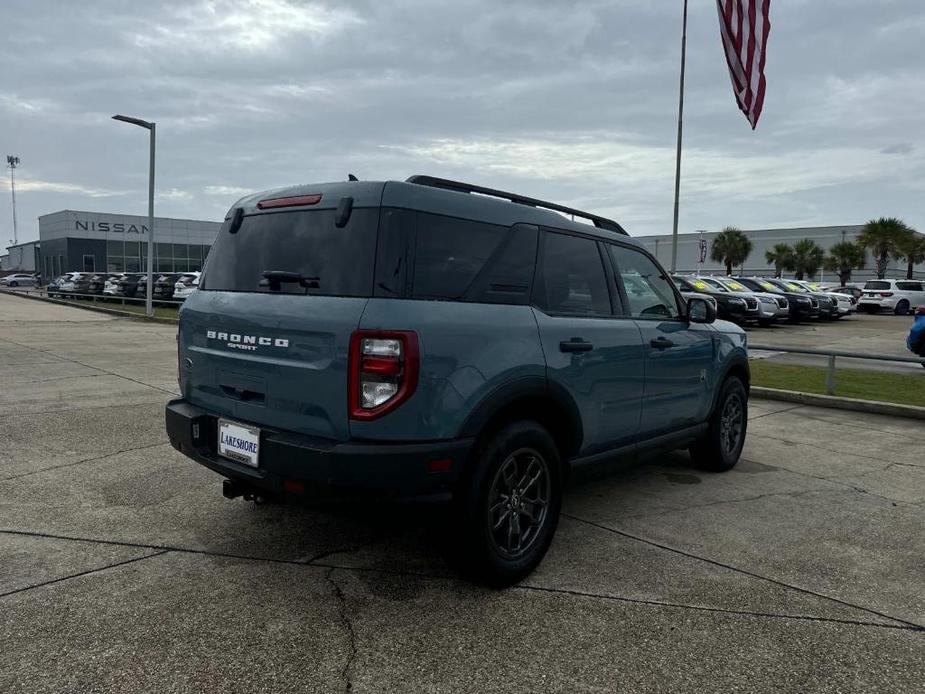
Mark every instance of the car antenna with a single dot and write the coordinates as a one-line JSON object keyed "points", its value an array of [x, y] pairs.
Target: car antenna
{"points": [[351, 177]]}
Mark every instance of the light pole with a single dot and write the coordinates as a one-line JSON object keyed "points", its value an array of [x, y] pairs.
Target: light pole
{"points": [[13, 162], [149, 308]]}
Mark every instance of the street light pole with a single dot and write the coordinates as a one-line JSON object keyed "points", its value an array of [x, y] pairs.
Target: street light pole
{"points": [[150, 126], [13, 162]]}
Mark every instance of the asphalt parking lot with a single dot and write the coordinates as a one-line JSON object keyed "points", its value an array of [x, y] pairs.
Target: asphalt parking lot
{"points": [[122, 568]]}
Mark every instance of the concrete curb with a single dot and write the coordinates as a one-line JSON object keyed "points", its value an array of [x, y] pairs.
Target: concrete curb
{"points": [[99, 309], [835, 402]]}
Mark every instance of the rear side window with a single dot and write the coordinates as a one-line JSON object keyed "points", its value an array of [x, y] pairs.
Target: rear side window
{"points": [[321, 258], [462, 260], [573, 279], [874, 284], [909, 286]]}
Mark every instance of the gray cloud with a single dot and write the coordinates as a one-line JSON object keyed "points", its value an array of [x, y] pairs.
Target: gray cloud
{"points": [[574, 102]]}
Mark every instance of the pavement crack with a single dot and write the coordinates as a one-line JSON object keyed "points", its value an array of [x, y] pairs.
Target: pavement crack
{"points": [[721, 502], [821, 448], [347, 670], [88, 366], [82, 573], [742, 571], [84, 460], [721, 610], [770, 414]]}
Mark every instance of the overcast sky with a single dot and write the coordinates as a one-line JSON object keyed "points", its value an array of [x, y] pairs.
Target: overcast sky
{"points": [[574, 102]]}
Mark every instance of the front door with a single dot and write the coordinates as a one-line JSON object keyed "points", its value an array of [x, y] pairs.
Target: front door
{"points": [[679, 365], [594, 356]]}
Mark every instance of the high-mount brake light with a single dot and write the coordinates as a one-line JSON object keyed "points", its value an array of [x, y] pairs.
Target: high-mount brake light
{"points": [[383, 371], [295, 201]]}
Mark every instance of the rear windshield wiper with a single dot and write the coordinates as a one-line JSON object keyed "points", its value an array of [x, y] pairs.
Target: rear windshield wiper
{"points": [[273, 279]]}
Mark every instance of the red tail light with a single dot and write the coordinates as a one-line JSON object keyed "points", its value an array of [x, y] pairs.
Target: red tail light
{"points": [[383, 371], [296, 201], [886, 295]]}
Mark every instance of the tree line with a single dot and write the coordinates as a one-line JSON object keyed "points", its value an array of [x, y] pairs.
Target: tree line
{"points": [[885, 238]]}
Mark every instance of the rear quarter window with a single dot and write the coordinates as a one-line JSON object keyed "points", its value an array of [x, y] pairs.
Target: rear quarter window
{"points": [[463, 260], [875, 284], [334, 261]]}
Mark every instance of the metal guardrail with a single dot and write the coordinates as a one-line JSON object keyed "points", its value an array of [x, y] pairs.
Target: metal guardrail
{"points": [[832, 355], [95, 298]]}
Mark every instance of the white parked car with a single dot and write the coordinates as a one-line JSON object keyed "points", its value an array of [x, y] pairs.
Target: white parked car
{"points": [[186, 285], [843, 301], [111, 286], [18, 280], [899, 296]]}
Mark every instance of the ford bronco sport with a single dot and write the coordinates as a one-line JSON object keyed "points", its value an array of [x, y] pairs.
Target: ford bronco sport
{"points": [[436, 340]]}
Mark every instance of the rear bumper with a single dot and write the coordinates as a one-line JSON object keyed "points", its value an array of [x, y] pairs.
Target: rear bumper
{"points": [[314, 468]]}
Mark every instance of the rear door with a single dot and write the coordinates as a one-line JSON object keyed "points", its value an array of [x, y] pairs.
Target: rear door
{"points": [[273, 352], [679, 364], [592, 354], [916, 292]]}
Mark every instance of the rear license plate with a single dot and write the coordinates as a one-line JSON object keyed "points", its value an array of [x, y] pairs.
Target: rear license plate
{"points": [[239, 442]]}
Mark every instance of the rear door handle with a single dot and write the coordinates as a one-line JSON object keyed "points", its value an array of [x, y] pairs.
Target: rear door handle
{"points": [[661, 343], [576, 344]]}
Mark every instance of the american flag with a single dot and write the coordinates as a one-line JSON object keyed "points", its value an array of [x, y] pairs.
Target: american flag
{"points": [[744, 26]]}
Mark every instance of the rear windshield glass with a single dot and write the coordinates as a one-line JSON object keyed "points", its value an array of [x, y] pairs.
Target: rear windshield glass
{"points": [[304, 250], [877, 285]]}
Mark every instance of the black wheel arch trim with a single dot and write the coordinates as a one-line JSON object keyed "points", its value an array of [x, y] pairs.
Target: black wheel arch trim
{"points": [[737, 362], [505, 395]]}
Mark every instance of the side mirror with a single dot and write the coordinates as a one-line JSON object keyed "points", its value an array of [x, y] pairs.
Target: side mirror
{"points": [[700, 311]]}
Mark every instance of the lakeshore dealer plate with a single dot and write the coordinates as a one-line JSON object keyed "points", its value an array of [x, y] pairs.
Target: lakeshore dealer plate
{"points": [[239, 442]]}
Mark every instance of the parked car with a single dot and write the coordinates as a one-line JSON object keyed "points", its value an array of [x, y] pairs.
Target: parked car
{"points": [[802, 305], [843, 303], [67, 284], [852, 290], [111, 285], [54, 286], [99, 281], [771, 307], [728, 307], [132, 284], [432, 339], [164, 285], [899, 296], [19, 279], [185, 286]]}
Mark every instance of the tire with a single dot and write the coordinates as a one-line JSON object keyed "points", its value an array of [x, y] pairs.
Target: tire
{"points": [[721, 446], [902, 308], [766, 322], [483, 546]]}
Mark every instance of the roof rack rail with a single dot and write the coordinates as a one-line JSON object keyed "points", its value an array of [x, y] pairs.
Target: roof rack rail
{"points": [[458, 186]]}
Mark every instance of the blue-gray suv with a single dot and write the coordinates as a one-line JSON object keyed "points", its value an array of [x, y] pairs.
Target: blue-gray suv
{"points": [[440, 341]]}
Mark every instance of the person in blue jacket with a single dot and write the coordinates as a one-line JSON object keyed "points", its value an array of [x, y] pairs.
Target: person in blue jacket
{"points": [[916, 340]]}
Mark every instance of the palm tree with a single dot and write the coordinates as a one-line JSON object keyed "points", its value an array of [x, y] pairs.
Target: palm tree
{"points": [[844, 257], [731, 247], [807, 258], [781, 257], [880, 237], [911, 246]]}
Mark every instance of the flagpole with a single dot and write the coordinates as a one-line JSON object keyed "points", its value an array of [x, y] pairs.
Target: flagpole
{"points": [[677, 173]]}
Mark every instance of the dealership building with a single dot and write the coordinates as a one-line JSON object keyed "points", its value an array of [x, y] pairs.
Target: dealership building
{"points": [[689, 253], [72, 241]]}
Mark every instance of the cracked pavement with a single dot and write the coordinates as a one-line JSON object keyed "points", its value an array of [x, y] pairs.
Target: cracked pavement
{"points": [[122, 568]]}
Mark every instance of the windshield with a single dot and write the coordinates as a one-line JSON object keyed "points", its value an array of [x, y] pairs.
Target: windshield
{"points": [[304, 250], [736, 286], [709, 282], [874, 284]]}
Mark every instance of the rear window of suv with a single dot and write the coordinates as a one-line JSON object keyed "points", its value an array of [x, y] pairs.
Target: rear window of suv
{"points": [[331, 261], [877, 285]]}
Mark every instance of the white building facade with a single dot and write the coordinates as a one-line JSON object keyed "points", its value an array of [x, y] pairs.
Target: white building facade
{"points": [[100, 242], [764, 240]]}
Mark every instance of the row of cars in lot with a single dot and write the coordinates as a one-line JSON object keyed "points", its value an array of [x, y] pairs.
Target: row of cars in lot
{"points": [[174, 286], [765, 300]]}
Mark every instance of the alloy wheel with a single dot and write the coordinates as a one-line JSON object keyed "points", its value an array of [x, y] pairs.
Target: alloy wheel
{"points": [[518, 502]]}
